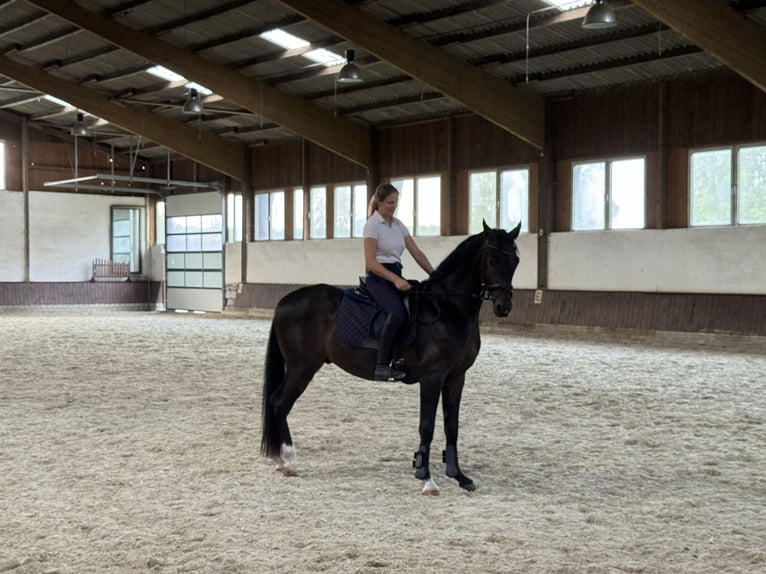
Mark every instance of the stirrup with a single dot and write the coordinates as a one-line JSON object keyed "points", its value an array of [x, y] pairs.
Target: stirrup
{"points": [[385, 372]]}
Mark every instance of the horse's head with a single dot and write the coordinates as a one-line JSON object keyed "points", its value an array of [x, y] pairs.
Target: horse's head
{"points": [[499, 263]]}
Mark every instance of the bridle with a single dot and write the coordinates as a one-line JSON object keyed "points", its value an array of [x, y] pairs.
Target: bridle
{"points": [[489, 291]]}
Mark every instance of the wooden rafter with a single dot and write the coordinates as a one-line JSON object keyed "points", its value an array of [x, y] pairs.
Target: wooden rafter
{"points": [[517, 111], [222, 155], [727, 35], [339, 135]]}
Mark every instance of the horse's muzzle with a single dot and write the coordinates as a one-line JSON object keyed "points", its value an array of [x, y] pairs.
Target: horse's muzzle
{"points": [[502, 305]]}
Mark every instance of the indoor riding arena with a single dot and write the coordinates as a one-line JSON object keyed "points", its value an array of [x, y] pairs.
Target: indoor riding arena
{"points": [[587, 180]]}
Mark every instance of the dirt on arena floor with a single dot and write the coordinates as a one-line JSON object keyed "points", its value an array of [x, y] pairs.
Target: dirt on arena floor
{"points": [[129, 442]]}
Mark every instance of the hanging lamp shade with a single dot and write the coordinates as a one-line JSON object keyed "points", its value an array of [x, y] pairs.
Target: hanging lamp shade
{"points": [[599, 16], [349, 73], [193, 104], [80, 128]]}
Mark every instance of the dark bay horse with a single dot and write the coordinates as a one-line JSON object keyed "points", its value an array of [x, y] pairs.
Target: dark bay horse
{"points": [[303, 338]]}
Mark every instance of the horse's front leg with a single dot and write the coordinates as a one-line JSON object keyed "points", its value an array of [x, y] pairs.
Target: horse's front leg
{"points": [[451, 396], [429, 400]]}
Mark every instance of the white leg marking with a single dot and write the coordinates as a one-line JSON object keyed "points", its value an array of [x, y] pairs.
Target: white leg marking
{"points": [[430, 488], [290, 460]]}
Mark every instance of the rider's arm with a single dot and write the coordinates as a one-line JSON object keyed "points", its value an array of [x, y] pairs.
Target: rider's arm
{"points": [[419, 257]]}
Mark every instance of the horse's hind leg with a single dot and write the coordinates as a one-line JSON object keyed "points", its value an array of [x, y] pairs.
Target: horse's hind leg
{"points": [[295, 383]]}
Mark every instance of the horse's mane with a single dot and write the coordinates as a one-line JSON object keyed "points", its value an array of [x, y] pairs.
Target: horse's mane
{"points": [[462, 253]]}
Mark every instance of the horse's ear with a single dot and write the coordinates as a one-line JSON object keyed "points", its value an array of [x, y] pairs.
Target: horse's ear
{"points": [[486, 227], [514, 233]]}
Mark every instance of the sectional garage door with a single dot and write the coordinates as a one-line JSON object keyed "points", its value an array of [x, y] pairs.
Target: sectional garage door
{"points": [[194, 251]]}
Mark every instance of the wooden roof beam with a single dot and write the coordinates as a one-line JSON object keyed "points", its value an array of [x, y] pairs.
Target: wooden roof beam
{"points": [[515, 110], [727, 35], [222, 155], [339, 135]]}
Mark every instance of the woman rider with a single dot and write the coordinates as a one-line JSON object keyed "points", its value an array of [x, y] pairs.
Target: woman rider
{"points": [[385, 238]]}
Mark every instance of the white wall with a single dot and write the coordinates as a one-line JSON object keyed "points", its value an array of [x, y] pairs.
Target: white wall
{"points": [[341, 261], [11, 236], [711, 260], [66, 232]]}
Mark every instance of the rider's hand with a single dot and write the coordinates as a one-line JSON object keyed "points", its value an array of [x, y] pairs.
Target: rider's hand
{"points": [[402, 284]]}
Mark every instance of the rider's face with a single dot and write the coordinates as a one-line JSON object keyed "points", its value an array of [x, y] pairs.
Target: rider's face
{"points": [[388, 206]]}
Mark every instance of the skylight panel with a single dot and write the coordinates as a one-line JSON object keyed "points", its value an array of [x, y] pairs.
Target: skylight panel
{"points": [[165, 74], [58, 101], [289, 41], [565, 5], [203, 91], [284, 39], [324, 57], [171, 76]]}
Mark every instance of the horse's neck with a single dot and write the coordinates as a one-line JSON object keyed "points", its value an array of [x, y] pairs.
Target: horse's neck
{"points": [[464, 286]]}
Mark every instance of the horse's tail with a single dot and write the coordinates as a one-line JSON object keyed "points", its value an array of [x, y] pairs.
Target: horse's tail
{"points": [[273, 375]]}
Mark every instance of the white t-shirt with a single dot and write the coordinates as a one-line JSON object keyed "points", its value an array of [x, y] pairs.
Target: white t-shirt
{"points": [[390, 239]]}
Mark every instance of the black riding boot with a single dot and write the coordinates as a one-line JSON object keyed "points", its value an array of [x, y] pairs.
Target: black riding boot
{"points": [[384, 371]]}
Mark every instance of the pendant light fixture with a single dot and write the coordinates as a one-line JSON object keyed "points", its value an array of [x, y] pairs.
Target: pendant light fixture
{"points": [[193, 104], [599, 16], [80, 128], [349, 73]]}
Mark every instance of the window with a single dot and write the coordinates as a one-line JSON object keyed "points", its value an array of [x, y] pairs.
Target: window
{"points": [[298, 213], [127, 223], [194, 251], [269, 217], [318, 212], [350, 212], [234, 217], [727, 186], [420, 204], [608, 194], [499, 197]]}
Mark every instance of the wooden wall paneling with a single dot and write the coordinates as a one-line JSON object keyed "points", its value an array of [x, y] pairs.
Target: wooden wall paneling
{"points": [[13, 165], [278, 164], [330, 211], [677, 189], [534, 198], [328, 168], [480, 144], [655, 191], [563, 197], [460, 202], [414, 149], [618, 121], [714, 109], [449, 184], [289, 208]]}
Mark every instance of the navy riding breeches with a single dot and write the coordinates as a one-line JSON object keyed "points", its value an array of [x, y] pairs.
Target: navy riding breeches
{"points": [[386, 294]]}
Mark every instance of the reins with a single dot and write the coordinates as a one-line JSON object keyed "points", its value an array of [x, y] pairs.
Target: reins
{"points": [[486, 291]]}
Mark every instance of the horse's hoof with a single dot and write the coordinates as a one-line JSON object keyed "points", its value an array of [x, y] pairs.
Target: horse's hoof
{"points": [[469, 486], [288, 470], [430, 488]]}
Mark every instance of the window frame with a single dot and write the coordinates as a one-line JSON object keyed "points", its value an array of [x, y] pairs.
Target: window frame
{"points": [[356, 225], [735, 175], [608, 192], [498, 200], [137, 225], [271, 234], [402, 184]]}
